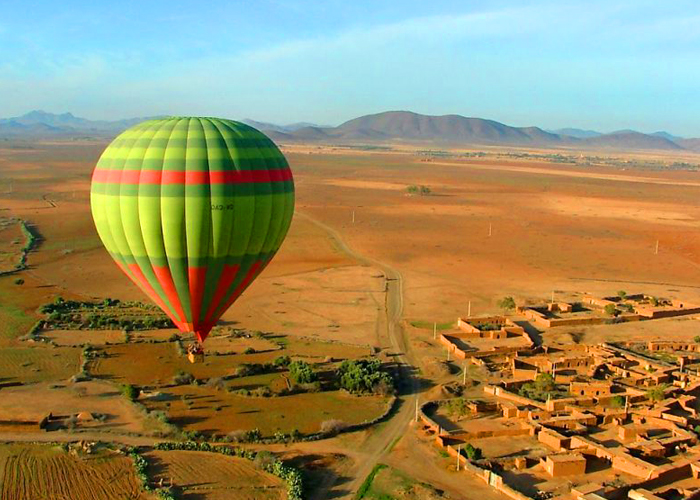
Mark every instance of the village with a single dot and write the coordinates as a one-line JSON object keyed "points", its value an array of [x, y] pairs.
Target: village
{"points": [[612, 420]]}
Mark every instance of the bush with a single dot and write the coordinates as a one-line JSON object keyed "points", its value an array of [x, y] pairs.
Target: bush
{"points": [[130, 392], [540, 389], [183, 378], [696, 339], [611, 310], [301, 372], [618, 402], [264, 459], [216, 383], [282, 361], [238, 436], [657, 393], [249, 350], [472, 452], [19, 281], [622, 294], [506, 303], [332, 427], [364, 376]]}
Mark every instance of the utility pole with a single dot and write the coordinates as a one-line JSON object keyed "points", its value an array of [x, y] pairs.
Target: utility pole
{"points": [[552, 296], [434, 330], [459, 452], [490, 227], [353, 216], [448, 354], [464, 380], [656, 252], [469, 309]]}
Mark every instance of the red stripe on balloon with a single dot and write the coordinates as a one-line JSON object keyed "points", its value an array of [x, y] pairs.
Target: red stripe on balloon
{"points": [[166, 282], [190, 177], [228, 275], [249, 277], [197, 279], [136, 275]]}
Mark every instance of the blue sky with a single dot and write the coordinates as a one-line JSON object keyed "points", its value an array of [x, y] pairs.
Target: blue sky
{"points": [[605, 65]]}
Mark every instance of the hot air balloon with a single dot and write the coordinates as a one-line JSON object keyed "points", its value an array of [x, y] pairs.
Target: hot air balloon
{"points": [[192, 210]]}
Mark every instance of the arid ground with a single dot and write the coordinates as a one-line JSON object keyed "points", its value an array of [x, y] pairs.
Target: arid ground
{"points": [[366, 265]]}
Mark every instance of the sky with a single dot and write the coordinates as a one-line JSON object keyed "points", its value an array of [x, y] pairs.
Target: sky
{"points": [[602, 65]]}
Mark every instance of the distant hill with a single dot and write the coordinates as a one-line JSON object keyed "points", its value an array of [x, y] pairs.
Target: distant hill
{"points": [[390, 126], [278, 128], [413, 127], [666, 135], [631, 140], [576, 132], [43, 124], [405, 126], [691, 144]]}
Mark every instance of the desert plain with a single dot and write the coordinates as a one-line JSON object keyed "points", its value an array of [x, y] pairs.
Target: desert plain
{"points": [[369, 268]]}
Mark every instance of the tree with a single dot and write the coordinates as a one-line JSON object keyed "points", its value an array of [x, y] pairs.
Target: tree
{"points": [[617, 402], [539, 390], [425, 190], [19, 281], [412, 189], [472, 452], [301, 372], [506, 303], [657, 393], [622, 294], [697, 339], [130, 392], [610, 309], [364, 376], [282, 361]]}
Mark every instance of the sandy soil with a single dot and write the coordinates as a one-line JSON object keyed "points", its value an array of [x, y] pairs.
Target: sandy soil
{"points": [[490, 228], [36, 401]]}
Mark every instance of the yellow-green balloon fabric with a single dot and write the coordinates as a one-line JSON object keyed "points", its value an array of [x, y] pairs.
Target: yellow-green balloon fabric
{"points": [[192, 210]]}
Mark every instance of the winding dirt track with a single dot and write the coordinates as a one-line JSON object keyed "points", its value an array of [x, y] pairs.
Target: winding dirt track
{"points": [[380, 443]]}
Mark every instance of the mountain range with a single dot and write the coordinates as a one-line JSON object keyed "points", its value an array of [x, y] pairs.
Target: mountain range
{"points": [[390, 126]]}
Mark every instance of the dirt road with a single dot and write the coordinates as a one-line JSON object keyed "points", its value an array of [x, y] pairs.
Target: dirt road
{"points": [[379, 444]]}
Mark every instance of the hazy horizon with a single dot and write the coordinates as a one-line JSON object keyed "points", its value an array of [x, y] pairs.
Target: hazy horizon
{"points": [[604, 66]]}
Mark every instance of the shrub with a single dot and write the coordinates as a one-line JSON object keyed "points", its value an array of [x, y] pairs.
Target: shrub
{"points": [[364, 376], [696, 339], [657, 393], [506, 303], [216, 383], [253, 436], [282, 361], [183, 378], [610, 309], [264, 459], [249, 350], [301, 372], [332, 427], [130, 392], [472, 452], [238, 436], [19, 281], [622, 294], [618, 402], [540, 389]]}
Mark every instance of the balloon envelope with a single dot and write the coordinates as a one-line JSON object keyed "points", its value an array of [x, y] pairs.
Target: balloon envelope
{"points": [[192, 210]]}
